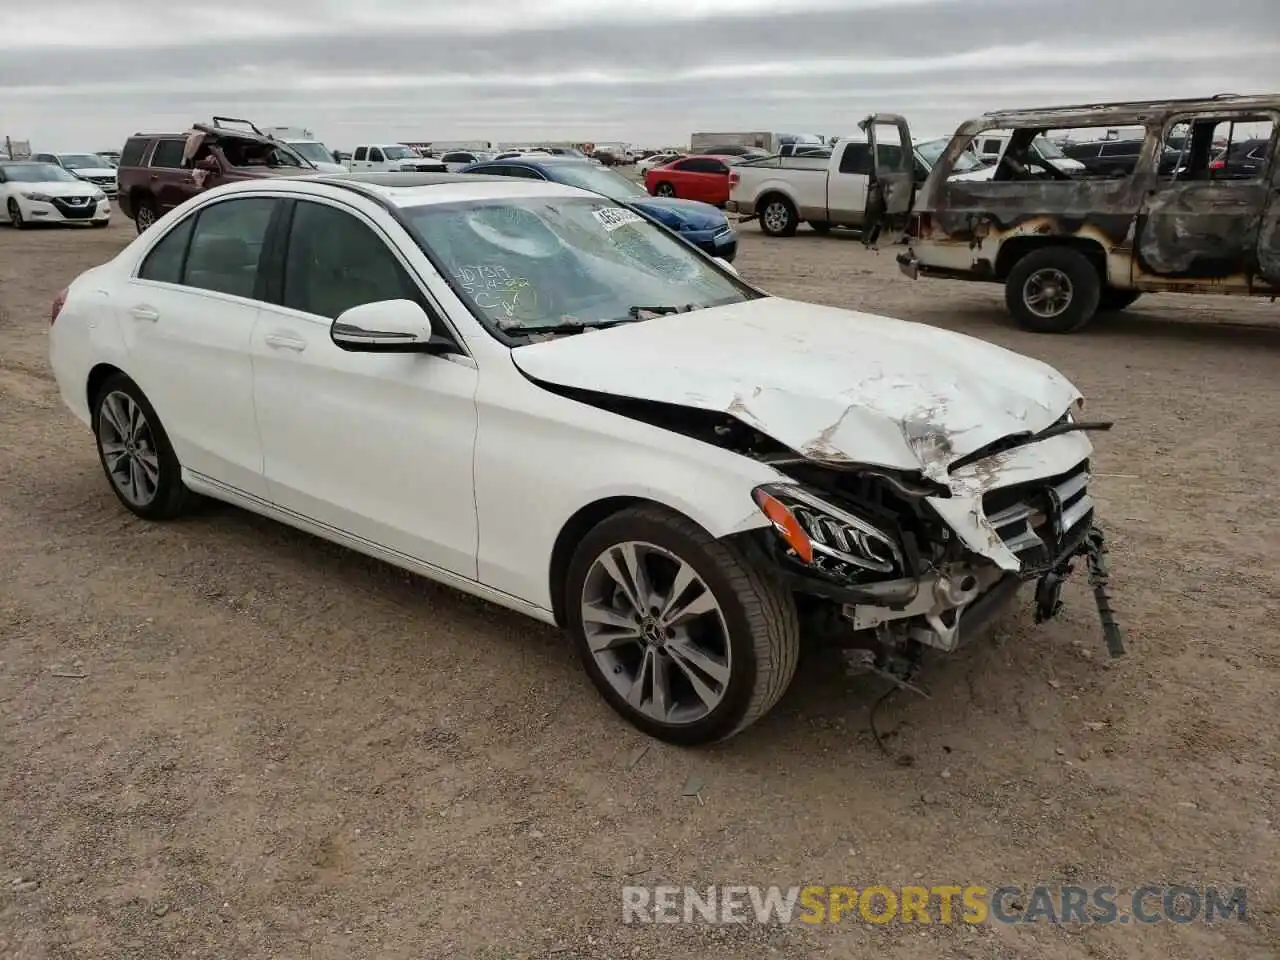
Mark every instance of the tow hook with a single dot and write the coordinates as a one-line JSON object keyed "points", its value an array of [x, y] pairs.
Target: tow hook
{"points": [[1049, 590]]}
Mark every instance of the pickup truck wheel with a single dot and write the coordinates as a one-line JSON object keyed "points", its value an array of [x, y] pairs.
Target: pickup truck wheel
{"points": [[681, 633], [1116, 299], [664, 189], [820, 226], [144, 215], [778, 217], [1053, 290]]}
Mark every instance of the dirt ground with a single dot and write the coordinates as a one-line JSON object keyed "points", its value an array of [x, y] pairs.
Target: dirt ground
{"points": [[223, 738]]}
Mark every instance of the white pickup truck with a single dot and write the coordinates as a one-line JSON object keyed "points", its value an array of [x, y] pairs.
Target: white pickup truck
{"points": [[825, 192], [392, 158]]}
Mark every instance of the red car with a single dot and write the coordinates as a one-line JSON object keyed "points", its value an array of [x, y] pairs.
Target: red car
{"points": [[704, 177]]}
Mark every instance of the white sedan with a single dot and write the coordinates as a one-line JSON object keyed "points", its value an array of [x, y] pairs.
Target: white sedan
{"points": [[656, 160], [535, 395], [33, 193]]}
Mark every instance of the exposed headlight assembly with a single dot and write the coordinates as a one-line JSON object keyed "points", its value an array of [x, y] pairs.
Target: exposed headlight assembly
{"points": [[824, 535]]}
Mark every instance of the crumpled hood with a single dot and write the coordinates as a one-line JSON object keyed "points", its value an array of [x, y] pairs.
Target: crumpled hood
{"points": [[672, 211], [834, 385]]}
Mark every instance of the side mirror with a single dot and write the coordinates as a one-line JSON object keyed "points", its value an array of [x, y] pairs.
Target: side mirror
{"points": [[387, 326], [728, 266]]}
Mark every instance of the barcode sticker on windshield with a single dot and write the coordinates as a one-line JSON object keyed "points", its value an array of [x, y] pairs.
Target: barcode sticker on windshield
{"points": [[611, 218]]}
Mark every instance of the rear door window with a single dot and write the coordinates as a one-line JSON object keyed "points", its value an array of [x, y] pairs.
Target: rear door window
{"points": [[227, 244], [856, 159], [168, 154]]}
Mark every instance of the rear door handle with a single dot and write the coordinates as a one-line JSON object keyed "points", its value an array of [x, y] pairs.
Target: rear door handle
{"points": [[284, 341], [145, 313]]}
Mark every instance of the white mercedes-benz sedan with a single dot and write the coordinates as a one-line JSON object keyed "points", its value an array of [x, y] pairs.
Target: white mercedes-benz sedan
{"points": [[540, 397]]}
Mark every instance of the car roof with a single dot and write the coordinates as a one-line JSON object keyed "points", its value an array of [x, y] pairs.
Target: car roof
{"points": [[415, 189]]}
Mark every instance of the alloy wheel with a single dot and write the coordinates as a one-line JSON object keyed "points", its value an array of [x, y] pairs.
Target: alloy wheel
{"points": [[776, 217], [1048, 292], [128, 448], [656, 632]]}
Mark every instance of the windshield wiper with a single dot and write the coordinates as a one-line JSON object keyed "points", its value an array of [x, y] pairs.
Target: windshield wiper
{"points": [[635, 312], [565, 327]]}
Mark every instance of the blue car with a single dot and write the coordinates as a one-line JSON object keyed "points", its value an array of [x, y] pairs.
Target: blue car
{"points": [[698, 223]]}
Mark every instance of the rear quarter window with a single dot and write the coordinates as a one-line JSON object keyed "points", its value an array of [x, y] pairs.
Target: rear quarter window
{"points": [[134, 150]]}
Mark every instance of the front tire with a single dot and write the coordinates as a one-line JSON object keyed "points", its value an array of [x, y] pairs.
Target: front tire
{"points": [[778, 217], [1053, 290], [15, 215], [682, 634], [135, 451]]}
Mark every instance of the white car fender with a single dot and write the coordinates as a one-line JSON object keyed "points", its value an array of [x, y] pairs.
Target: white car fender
{"points": [[574, 455], [86, 333]]}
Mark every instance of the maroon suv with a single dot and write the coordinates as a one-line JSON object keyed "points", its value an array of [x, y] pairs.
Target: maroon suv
{"points": [[160, 171]]}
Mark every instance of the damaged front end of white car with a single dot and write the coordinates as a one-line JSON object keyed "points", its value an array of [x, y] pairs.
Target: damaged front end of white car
{"points": [[911, 562]]}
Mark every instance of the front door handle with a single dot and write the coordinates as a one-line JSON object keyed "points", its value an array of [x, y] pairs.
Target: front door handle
{"points": [[284, 341], [145, 313]]}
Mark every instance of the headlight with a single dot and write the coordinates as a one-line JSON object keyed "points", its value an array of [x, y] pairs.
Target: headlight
{"points": [[820, 533], [38, 197], [99, 196]]}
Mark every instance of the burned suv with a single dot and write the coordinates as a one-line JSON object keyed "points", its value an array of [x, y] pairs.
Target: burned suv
{"points": [[1069, 244], [161, 171]]}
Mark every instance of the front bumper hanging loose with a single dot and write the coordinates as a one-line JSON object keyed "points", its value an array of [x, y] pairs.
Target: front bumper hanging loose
{"points": [[1049, 589]]}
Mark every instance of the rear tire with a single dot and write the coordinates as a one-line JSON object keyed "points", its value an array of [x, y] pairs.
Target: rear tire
{"points": [[135, 452], [778, 217], [1116, 299], [720, 668], [1053, 290], [664, 189]]}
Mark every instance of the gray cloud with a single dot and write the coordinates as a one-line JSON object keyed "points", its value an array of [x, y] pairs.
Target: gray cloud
{"points": [[651, 80]]}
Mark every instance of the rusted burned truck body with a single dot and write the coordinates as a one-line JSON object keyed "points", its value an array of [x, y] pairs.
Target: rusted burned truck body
{"points": [[1181, 221]]}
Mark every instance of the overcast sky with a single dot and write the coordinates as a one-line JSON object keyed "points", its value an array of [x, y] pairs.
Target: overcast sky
{"points": [[76, 74]]}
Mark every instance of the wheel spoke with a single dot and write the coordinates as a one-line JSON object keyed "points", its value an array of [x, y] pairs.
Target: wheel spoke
{"points": [[137, 422], [635, 696], [150, 464], [112, 453], [133, 485], [698, 667], [116, 417], [626, 566], [703, 602]]}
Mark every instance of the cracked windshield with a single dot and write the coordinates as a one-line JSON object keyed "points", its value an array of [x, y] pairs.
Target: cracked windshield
{"points": [[567, 263]]}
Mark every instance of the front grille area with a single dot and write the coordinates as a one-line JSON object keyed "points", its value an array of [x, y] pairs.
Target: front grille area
{"points": [[1038, 520], [75, 208], [722, 232]]}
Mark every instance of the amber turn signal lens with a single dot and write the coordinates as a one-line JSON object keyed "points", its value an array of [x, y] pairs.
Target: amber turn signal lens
{"points": [[785, 522]]}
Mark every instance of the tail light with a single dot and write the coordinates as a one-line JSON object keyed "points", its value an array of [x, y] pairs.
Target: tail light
{"points": [[1217, 165], [734, 178], [58, 302]]}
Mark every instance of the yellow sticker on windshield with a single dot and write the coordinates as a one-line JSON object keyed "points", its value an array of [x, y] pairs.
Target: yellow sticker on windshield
{"points": [[611, 218]]}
